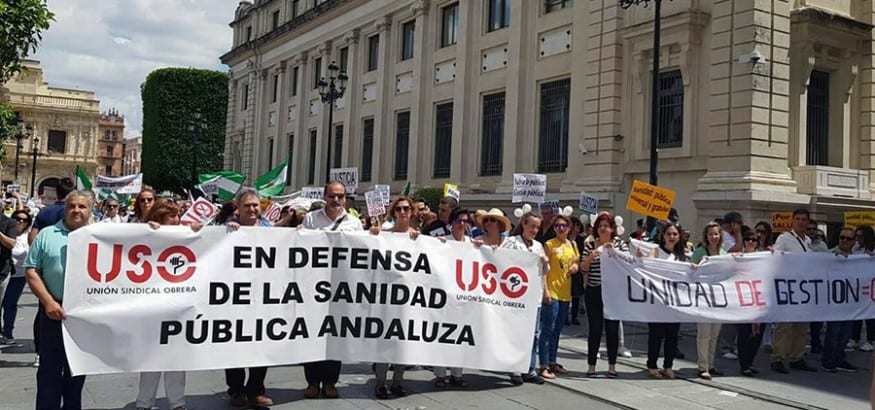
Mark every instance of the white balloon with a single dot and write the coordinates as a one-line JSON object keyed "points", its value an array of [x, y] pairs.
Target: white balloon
{"points": [[518, 213], [527, 208], [621, 230], [584, 218], [567, 211], [618, 220]]}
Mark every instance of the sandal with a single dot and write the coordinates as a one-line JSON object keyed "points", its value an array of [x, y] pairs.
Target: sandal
{"points": [[458, 382], [654, 374], [558, 368], [547, 374], [440, 382], [670, 374], [612, 375]]}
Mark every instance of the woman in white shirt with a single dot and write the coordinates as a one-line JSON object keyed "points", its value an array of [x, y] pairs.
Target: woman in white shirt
{"points": [[665, 334]]}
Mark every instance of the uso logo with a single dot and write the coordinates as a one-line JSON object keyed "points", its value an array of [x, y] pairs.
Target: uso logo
{"points": [[175, 264], [513, 281]]}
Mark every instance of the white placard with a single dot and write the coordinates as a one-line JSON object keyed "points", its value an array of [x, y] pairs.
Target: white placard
{"points": [[529, 188], [588, 204], [312, 192], [375, 203], [201, 211], [384, 193], [348, 176]]}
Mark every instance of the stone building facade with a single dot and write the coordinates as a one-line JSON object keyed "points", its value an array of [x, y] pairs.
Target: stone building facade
{"points": [[133, 148], [110, 148], [765, 105], [65, 127]]}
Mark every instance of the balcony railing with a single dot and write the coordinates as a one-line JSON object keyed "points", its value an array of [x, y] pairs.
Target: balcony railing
{"points": [[830, 181]]}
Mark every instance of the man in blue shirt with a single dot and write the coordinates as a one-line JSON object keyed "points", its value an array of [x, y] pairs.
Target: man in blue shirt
{"points": [[44, 271], [50, 215]]}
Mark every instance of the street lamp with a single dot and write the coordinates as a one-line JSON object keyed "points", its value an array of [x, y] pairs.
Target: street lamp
{"points": [[196, 125], [28, 132], [654, 86], [331, 92], [35, 153]]}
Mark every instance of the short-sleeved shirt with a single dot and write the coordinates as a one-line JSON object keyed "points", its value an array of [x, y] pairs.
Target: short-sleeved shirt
{"points": [[49, 215], [790, 242], [319, 220], [48, 256], [562, 256], [595, 268], [517, 242], [701, 252]]}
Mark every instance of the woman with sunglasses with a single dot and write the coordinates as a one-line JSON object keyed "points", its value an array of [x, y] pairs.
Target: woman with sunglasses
{"points": [[496, 225], [564, 261], [749, 335], [17, 281], [460, 226], [707, 334], [605, 236], [145, 200], [522, 238], [402, 211], [673, 249]]}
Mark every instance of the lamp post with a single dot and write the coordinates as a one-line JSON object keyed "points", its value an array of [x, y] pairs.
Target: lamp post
{"points": [[34, 151], [28, 132], [196, 125], [332, 90], [654, 86]]}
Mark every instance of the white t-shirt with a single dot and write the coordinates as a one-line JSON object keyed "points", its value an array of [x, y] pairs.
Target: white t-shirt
{"points": [[19, 254], [662, 254], [111, 219], [728, 240], [790, 242], [318, 220]]}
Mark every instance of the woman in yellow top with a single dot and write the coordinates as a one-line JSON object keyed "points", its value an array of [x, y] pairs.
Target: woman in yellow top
{"points": [[564, 258]]}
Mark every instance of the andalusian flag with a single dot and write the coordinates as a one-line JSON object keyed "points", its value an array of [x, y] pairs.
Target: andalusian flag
{"points": [[225, 184], [273, 182], [406, 191], [82, 180]]}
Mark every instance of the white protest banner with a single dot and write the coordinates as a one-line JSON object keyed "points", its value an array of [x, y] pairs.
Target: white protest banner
{"points": [[757, 287], [588, 204], [312, 192], [218, 299], [130, 184], [348, 176], [201, 211], [529, 188], [384, 193], [375, 203]]}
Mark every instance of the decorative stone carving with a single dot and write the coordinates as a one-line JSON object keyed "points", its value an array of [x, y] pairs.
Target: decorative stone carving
{"points": [[383, 23], [419, 8], [352, 37], [300, 59]]}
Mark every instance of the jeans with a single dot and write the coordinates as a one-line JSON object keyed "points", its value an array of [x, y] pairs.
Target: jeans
{"points": [[10, 304], [54, 381], [534, 363], [748, 343], [254, 387], [837, 336], [595, 317], [552, 321], [656, 334]]}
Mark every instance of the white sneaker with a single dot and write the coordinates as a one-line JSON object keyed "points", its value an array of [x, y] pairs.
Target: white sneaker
{"points": [[730, 356], [852, 344], [623, 351], [36, 361], [866, 347]]}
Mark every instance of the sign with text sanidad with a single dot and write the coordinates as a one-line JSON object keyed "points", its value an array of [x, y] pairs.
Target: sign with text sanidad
{"points": [[348, 176], [201, 211], [650, 200], [782, 221], [217, 299], [529, 188], [452, 190], [374, 200], [588, 204], [854, 219], [756, 287], [313, 192]]}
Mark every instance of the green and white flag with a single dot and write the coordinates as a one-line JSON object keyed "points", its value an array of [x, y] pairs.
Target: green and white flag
{"points": [[104, 194], [225, 184], [273, 182], [82, 180]]}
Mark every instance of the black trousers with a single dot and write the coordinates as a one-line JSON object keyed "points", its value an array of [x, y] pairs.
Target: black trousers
{"points": [[857, 331], [659, 333], [595, 317], [54, 381], [748, 344], [325, 372], [237, 384]]}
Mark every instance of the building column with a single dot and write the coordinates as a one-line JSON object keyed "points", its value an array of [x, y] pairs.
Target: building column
{"points": [[249, 153], [280, 140], [383, 164], [352, 97], [865, 159], [300, 155], [421, 123]]}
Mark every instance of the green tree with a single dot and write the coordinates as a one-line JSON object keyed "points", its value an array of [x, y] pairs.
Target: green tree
{"points": [[8, 126], [432, 196], [171, 99], [22, 23]]}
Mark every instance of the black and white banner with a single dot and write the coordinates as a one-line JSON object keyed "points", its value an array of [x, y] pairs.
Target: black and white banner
{"points": [[758, 287], [143, 300]]}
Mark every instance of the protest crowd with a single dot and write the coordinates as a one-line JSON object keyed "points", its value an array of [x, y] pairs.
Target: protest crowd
{"points": [[569, 247]]}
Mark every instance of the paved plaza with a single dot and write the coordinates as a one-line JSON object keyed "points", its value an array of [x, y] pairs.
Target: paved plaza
{"points": [[633, 390]]}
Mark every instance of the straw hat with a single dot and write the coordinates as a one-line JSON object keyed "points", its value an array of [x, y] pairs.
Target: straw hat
{"points": [[493, 213]]}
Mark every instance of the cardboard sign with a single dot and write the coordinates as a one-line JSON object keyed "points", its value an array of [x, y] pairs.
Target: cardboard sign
{"points": [[349, 177], [854, 219], [782, 221], [650, 200], [552, 204], [209, 189], [375, 203], [452, 190], [529, 188], [272, 213], [13, 188], [588, 204], [201, 211], [384, 193], [312, 192]]}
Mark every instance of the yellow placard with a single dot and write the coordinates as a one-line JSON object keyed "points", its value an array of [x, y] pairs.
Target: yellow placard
{"points": [[452, 190], [853, 219], [782, 221], [650, 200]]}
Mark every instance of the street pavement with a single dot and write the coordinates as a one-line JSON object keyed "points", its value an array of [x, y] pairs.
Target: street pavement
{"points": [[632, 390]]}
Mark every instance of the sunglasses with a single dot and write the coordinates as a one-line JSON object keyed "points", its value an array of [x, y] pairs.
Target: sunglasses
{"points": [[488, 220], [335, 196], [22, 220], [402, 209], [147, 199], [847, 238], [459, 221], [112, 206], [561, 226]]}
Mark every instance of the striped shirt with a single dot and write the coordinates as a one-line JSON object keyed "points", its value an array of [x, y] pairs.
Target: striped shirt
{"points": [[595, 268]]}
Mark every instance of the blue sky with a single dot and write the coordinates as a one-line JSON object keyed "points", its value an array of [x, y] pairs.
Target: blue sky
{"points": [[109, 46]]}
